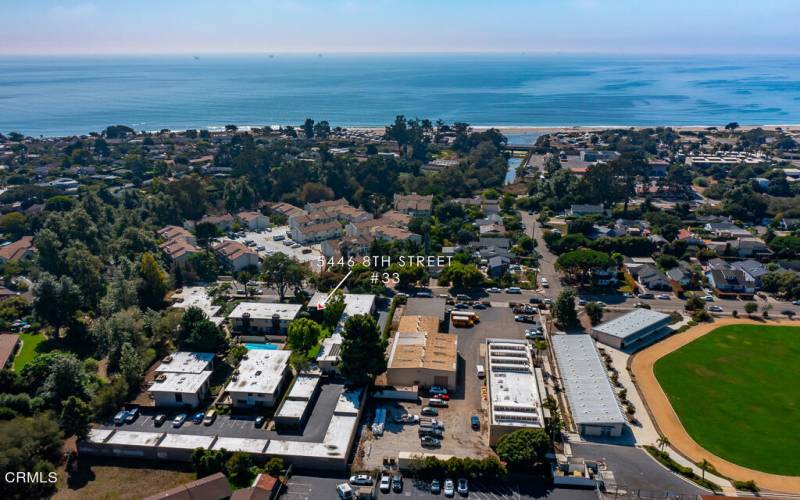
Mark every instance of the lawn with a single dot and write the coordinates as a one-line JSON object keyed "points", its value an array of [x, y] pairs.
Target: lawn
{"points": [[736, 392], [33, 344]]}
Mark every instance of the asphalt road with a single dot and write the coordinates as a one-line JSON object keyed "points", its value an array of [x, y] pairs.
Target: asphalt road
{"points": [[634, 469]]}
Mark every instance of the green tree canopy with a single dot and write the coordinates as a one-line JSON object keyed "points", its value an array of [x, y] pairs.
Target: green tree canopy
{"points": [[564, 308], [282, 272], [524, 448], [363, 350], [303, 334]]}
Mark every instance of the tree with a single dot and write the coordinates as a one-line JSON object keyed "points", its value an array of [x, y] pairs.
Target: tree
{"points": [[595, 312], [208, 462], [398, 131], [56, 300], [198, 333], [662, 442], [274, 466], [730, 127], [282, 272], [303, 335], [334, 308], [524, 448], [695, 303], [240, 468], [30, 444], [750, 308], [579, 264], [308, 128], [76, 415], [564, 308], [363, 350], [704, 466], [154, 285], [461, 275]]}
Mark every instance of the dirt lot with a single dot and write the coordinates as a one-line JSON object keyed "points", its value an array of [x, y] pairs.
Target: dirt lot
{"points": [[466, 400], [108, 479]]}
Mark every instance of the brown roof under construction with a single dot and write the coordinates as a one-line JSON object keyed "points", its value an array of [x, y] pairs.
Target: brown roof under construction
{"points": [[418, 344]]}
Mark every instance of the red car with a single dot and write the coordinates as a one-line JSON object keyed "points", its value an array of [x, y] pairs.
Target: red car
{"points": [[443, 397]]}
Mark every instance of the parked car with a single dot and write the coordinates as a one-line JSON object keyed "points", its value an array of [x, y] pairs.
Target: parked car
{"points": [[663, 296], [514, 290], [545, 283], [211, 415], [646, 295], [475, 422], [430, 431], [120, 417], [493, 289], [437, 389], [441, 403], [716, 309], [463, 486], [361, 480], [198, 417], [478, 305], [424, 293], [432, 422], [534, 334], [436, 487], [133, 414], [443, 397], [179, 420], [278, 237], [407, 419], [427, 410], [581, 302], [260, 421], [159, 420], [449, 488], [430, 441], [345, 491], [708, 298], [386, 484], [524, 318], [480, 371]]}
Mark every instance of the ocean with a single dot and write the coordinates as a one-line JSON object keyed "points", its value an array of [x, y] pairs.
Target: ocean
{"points": [[75, 95]]}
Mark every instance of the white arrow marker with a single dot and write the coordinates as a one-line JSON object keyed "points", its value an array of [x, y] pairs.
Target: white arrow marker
{"points": [[321, 305]]}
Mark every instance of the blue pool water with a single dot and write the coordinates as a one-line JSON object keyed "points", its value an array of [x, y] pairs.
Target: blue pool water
{"points": [[261, 347]]}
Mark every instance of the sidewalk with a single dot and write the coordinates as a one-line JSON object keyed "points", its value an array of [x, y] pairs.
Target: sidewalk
{"points": [[727, 486]]}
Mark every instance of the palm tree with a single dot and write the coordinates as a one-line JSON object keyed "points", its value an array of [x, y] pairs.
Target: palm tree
{"points": [[662, 442], [703, 467]]}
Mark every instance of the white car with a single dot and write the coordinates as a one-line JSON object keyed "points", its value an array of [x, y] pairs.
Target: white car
{"points": [[493, 289], [361, 480], [449, 488], [386, 484], [463, 487], [716, 309], [514, 290], [663, 296], [708, 298], [545, 283]]}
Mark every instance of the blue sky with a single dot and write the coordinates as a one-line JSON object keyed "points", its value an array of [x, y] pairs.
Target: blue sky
{"points": [[246, 26]]}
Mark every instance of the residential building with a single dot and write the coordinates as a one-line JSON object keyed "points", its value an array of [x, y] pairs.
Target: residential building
{"points": [[178, 251], [726, 230], [298, 402], [391, 233], [258, 318], [259, 378], [730, 282], [9, 343], [255, 221], [592, 401], [515, 388], [652, 278], [681, 274], [316, 233], [176, 232], [182, 379], [19, 250], [632, 330], [222, 222], [420, 355], [213, 487], [236, 256], [752, 269], [415, 205], [348, 246], [286, 210]]}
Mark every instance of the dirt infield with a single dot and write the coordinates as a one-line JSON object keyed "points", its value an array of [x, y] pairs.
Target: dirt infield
{"points": [[668, 423]]}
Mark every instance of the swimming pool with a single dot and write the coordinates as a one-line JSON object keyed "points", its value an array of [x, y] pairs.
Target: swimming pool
{"points": [[262, 347]]}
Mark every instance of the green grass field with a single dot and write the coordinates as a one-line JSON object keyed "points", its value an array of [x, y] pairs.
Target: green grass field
{"points": [[32, 344], [737, 393]]}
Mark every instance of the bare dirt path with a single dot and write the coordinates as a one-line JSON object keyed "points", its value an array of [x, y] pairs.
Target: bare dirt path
{"points": [[668, 423]]}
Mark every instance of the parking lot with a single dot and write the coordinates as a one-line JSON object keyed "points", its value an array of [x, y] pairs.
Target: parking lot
{"points": [[270, 246], [312, 488], [239, 424], [466, 400]]}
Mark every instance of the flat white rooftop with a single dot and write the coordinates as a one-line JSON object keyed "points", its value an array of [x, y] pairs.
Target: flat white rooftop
{"points": [[98, 435], [135, 438], [197, 296], [331, 348], [260, 372], [186, 441], [589, 393], [293, 408], [348, 403], [261, 310], [186, 362], [241, 444], [633, 322], [513, 389], [303, 387], [354, 303], [186, 383]]}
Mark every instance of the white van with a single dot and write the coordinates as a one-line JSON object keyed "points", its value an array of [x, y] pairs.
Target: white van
{"points": [[545, 283], [481, 371], [345, 491]]}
